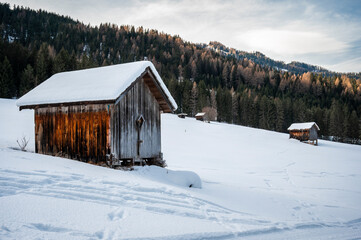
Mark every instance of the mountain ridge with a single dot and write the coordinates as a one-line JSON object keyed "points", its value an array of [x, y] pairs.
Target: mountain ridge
{"points": [[263, 60]]}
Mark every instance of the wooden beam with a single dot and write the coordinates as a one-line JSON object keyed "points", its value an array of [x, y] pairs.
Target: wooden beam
{"points": [[66, 104], [154, 82]]}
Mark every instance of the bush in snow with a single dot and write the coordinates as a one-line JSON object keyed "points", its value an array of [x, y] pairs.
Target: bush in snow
{"points": [[23, 143], [211, 114]]}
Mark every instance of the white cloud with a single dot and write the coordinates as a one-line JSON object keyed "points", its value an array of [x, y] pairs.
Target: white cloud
{"points": [[351, 65], [290, 42]]}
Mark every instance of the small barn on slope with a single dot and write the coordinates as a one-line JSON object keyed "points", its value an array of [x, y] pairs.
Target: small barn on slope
{"points": [[304, 131], [200, 116], [107, 111]]}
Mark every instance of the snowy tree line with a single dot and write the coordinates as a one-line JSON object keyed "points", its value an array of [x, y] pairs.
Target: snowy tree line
{"points": [[249, 107], [36, 44]]}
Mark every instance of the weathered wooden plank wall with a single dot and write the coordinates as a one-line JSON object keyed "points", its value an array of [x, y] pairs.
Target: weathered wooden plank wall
{"points": [[150, 132], [138, 101], [313, 133], [77, 132], [307, 134], [300, 135]]}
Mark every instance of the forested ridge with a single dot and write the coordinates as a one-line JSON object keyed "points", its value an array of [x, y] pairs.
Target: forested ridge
{"points": [[260, 58], [36, 44]]}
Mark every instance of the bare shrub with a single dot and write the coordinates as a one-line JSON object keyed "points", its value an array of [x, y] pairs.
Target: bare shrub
{"points": [[211, 114], [23, 143]]}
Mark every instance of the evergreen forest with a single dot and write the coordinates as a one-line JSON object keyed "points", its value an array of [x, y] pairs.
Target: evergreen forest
{"points": [[241, 90]]}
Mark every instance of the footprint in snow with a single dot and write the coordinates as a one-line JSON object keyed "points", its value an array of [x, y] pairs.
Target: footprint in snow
{"points": [[297, 208], [267, 182], [116, 215]]}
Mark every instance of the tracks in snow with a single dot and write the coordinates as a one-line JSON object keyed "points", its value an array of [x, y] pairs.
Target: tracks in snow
{"points": [[158, 199]]}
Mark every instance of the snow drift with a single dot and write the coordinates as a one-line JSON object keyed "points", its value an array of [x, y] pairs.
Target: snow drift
{"points": [[179, 178]]}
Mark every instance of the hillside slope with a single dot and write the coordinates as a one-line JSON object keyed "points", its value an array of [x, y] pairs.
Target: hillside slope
{"points": [[256, 184]]}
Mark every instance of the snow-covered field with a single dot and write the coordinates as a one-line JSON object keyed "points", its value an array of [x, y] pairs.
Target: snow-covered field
{"points": [[256, 184]]}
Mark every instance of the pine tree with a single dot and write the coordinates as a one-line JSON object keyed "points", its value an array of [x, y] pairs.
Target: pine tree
{"points": [[185, 103], [27, 80], [86, 62], [194, 69], [318, 117], [263, 113], [43, 64], [213, 99], [271, 115], [7, 88], [354, 128], [62, 62], [279, 115], [224, 103], [220, 104], [225, 75], [299, 111], [244, 107], [233, 77], [203, 96], [326, 122], [346, 122], [254, 112], [288, 112], [235, 107], [194, 99], [227, 105], [336, 120]]}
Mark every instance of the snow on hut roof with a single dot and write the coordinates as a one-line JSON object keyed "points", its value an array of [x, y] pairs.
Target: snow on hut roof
{"points": [[201, 114], [95, 84], [302, 126]]}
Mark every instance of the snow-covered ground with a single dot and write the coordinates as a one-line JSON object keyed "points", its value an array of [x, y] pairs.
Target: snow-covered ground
{"points": [[256, 184]]}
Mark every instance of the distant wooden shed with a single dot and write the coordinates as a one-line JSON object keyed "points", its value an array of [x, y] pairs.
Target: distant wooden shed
{"points": [[304, 132], [107, 111], [200, 116]]}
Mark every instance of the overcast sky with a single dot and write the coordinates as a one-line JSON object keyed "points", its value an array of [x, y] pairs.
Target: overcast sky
{"points": [[321, 32]]}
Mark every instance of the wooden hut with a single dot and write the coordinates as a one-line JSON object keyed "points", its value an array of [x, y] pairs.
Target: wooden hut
{"points": [[107, 111], [304, 132], [200, 116]]}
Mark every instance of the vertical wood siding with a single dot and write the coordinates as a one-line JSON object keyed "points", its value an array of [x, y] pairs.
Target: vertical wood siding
{"points": [[313, 133], [77, 132], [307, 134], [138, 101]]}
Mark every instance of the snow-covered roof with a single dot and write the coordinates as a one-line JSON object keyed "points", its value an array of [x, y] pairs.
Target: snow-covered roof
{"points": [[201, 114], [301, 126], [95, 84]]}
